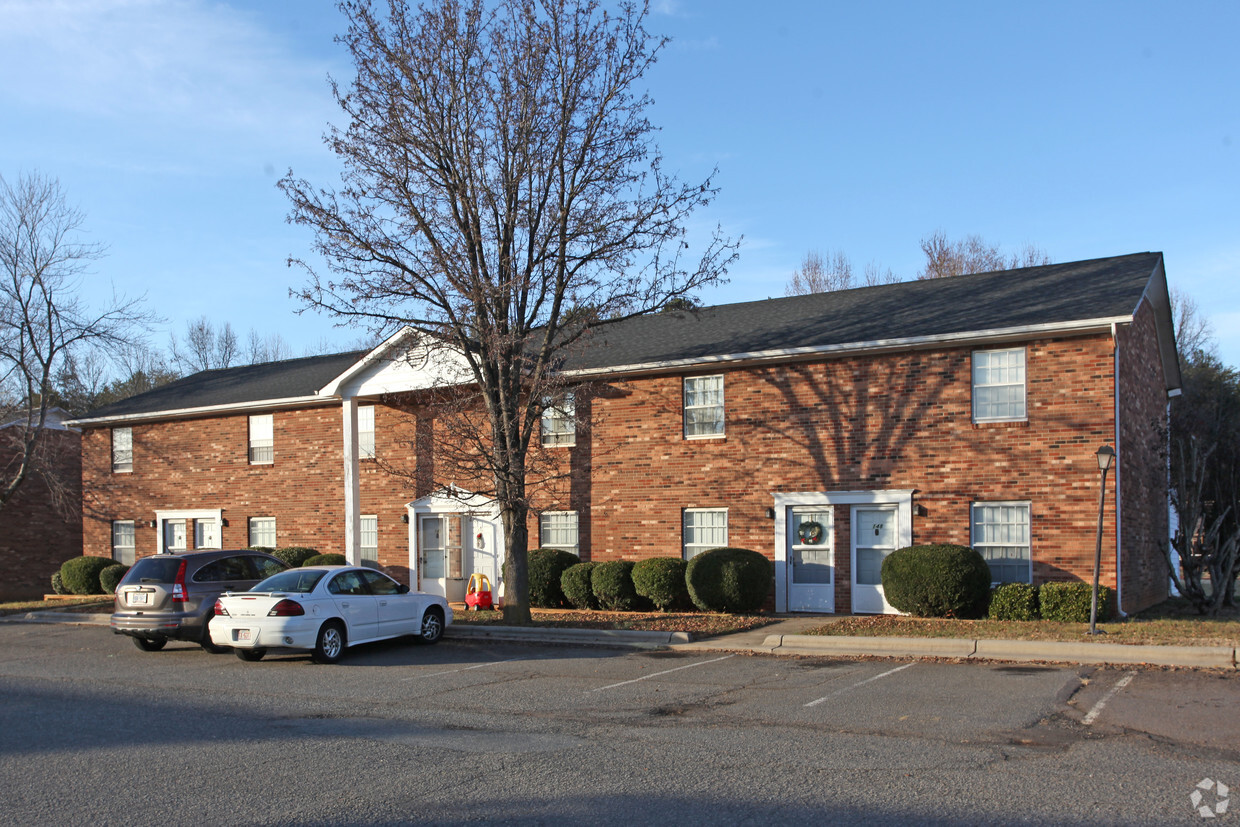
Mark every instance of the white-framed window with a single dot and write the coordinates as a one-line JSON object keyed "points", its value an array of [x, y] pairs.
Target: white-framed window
{"points": [[366, 431], [703, 406], [704, 529], [123, 544], [559, 422], [262, 439], [122, 450], [369, 546], [999, 385], [1000, 534], [262, 532], [558, 529]]}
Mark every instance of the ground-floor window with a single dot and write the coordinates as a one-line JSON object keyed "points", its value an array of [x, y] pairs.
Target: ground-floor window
{"points": [[1001, 535], [558, 529], [369, 545], [704, 529], [262, 532], [123, 545]]}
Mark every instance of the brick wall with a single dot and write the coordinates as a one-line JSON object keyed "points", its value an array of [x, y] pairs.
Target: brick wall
{"points": [[35, 535]]}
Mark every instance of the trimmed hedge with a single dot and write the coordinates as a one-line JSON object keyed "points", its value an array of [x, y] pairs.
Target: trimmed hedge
{"points": [[58, 584], [576, 585], [937, 581], [1070, 602], [80, 575], [330, 559], [734, 580], [110, 577], [612, 584], [295, 556], [1014, 601], [661, 580], [545, 568]]}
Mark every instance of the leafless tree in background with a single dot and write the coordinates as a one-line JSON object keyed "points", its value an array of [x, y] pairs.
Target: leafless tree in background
{"points": [[43, 321], [503, 196], [204, 347], [972, 254], [819, 275]]}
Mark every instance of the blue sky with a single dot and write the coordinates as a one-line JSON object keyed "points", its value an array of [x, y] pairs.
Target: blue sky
{"points": [[1087, 129]]}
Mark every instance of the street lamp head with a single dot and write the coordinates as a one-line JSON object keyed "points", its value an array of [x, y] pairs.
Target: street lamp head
{"points": [[1106, 456]]}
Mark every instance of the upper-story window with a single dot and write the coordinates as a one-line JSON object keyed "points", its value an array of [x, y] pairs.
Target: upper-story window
{"points": [[559, 422], [366, 431], [262, 439], [703, 406], [999, 385], [122, 449]]}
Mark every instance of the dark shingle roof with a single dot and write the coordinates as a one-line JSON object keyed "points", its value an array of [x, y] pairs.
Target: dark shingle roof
{"points": [[288, 379], [1053, 294]]}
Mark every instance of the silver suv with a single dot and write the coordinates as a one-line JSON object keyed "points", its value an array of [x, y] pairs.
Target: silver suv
{"points": [[172, 596]]}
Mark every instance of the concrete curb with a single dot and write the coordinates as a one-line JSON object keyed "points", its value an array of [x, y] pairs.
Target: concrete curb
{"points": [[1211, 657], [543, 634]]}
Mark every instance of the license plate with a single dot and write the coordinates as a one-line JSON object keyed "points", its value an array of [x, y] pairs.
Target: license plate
{"points": [[243, 634], [139, 599]]}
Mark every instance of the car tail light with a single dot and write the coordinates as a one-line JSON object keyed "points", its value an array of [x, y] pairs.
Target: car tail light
{"points": [[220, 610], [286, 608], [178, 585]]}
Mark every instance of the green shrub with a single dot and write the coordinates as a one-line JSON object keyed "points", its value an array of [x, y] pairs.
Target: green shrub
{"points": [[330, 559], [1070, 602], [80, 575], [1014, 601], [263, 549], [937, 581], [545, 568], [294, 556], [110, 577], [729, 580], [58, 583], [612, 583], [661, 580], [575, 583]]}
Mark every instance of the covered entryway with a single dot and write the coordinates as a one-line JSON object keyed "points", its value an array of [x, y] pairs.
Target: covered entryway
{"points": [[454, 534]]}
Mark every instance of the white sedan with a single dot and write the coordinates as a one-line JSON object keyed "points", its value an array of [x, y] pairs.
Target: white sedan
{"points": [[323, 610]]}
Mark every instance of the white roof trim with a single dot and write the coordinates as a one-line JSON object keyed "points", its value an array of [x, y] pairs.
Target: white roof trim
{"points": [[206, 410], [332, 388], [877, 346]]}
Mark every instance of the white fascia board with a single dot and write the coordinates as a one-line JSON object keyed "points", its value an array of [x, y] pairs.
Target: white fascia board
{"points": [[206, 410], [974, 337], [391, 368], [333, 388]]}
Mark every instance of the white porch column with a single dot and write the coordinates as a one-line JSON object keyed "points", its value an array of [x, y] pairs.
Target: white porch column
{"points": [[352, 485]]}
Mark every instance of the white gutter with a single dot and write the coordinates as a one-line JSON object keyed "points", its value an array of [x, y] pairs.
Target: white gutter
{"points": [[207, 410], [1079, 328]]}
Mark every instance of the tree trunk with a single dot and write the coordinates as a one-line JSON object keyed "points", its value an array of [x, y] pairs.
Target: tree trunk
{"points": [[516, 576]]}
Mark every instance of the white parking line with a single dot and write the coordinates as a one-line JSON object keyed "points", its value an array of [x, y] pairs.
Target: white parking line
{"points": [[664, 672], [462, 669], [1093, 714], [859, 683]]}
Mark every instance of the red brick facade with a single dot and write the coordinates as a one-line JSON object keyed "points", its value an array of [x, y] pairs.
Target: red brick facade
{"points": [[860, 423], [35, 535]]}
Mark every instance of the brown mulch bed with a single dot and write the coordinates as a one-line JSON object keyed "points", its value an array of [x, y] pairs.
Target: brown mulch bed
{"points": [[699, 624]]}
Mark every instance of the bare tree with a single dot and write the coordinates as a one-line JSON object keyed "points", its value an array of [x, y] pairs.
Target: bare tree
{"points": [[1207, 537], [503, 196], [43, 321], [269, 348], [203, 347], [819, 275], [1193, 331], [876, 275], [972, 255]]}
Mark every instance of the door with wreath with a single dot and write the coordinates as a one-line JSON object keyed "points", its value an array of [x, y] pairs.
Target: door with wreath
{"points": [[811, 559]]}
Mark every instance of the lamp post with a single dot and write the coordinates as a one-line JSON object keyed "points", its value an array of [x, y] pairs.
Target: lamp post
{"points": [[1106, 456]]}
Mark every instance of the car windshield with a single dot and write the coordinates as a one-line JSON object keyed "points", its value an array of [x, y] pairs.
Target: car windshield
{"points": [[294, 580]]}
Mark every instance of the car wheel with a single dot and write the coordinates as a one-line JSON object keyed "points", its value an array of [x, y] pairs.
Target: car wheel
{"points": [[331, 642], [432, 626], [250, 655], [150, 644], [206, 640]]}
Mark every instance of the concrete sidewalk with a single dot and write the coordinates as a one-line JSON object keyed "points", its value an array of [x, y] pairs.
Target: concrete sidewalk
{"points": [[786, 637]]}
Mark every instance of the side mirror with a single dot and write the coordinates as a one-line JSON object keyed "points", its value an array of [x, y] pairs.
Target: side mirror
{"points": [[402, 589]]}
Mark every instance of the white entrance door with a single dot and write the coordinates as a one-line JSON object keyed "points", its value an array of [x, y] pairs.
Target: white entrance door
{"points": [[433, 558], [206, 533], [875, 531], [174, 535], [811, 559], [484, 542]]}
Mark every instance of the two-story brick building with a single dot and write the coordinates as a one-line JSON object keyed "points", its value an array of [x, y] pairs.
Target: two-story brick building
{"points": [[823, 430]]}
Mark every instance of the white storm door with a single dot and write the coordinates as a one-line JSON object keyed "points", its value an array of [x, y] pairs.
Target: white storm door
{"points": [[433, 559], [484, 543], [206, 534], [875, 530], [174, 535], [811, 559]]}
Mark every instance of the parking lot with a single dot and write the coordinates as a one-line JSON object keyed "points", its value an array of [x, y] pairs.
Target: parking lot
{"points": [[532, 734]]}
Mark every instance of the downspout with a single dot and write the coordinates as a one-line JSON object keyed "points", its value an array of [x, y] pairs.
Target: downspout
{"points": [[1119, 471]]}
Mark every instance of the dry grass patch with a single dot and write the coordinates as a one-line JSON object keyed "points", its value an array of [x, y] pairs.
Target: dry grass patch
{"points": [[86, 604]]}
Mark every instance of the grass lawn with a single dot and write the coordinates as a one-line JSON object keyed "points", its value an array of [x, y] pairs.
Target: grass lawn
{"points": [[99, 603], [1173, 623]]}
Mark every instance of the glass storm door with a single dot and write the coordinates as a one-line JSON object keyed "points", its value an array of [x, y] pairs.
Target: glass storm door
{"points": [[174, 535], [433, 545], [874, 533], [811, 559]]}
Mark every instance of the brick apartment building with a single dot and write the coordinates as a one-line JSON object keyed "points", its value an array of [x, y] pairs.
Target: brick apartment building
{"points": [[823, 430]]}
